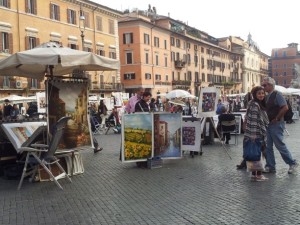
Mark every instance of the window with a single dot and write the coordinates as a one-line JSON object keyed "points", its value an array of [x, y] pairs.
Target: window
{"points": [[54, 12], [147, 58], [99, 23], [167, 77], [189, 59], [4, 41], [148, 76], [156, 42], [6, 82], [196, 47], [177, 43], [196, 60], [146, 39], [276, 54], [172, 56], [196, 77], [173, 75], [32, 43], [166, 61], [111, 27], [129, 59], [5, 3], [165, 44], [34, 83], [188, 45], [156, 60], [172, 41], [100, 51], [202, 50], [284, 53], [86, 19], [189, 75], [202, 62], [71, 16], [203, 77], [73, 46], [31, 6], [127, 38], [112, 53], [129, 76], [157, 77], [284, 73]]}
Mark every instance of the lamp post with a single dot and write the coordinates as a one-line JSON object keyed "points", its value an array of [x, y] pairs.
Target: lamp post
{"points": [[82, 28]]}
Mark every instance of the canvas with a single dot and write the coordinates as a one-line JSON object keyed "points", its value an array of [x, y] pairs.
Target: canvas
{"points": [[137, 137], [208, 102], [191, 136], [167, 135]]}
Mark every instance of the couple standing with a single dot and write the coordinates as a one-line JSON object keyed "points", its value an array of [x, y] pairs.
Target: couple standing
{"points": [[264, 120]]}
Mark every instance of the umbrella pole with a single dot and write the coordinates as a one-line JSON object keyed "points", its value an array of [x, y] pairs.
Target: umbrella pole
{"points": [[51, 71]]}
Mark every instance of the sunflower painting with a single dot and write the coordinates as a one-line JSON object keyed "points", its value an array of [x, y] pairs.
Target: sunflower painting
{"points": [[137, 137]]}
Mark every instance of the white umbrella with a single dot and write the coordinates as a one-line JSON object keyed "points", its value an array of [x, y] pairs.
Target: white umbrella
{"points": [[177, 102], [52, 59], [178, 94], [18, 99]]}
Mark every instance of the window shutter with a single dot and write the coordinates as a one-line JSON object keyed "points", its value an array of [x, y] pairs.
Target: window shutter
{"points": [[10, 43], [51, 11], [131, 37], [1, 42], [8, 4], [26, 43], [124, 39], [35, 7], [58, 13], [68, 15], [26, 6]]}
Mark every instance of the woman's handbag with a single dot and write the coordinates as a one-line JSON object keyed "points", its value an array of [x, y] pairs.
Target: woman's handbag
{"points": [[252, 149]]}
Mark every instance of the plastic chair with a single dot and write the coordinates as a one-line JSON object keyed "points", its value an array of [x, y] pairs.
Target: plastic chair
{"points": [[43, 155], [229, 126]]}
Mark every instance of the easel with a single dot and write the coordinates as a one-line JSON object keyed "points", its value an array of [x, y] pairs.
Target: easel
{"points": [[203, 121]]}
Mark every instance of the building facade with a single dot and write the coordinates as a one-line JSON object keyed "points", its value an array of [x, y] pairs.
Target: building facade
{"points": [[284, 63], [162, 54], [25, 24]]}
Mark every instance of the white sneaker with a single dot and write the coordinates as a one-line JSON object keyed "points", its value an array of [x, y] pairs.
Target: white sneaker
{"points": [[292, 168], [115, 130]]}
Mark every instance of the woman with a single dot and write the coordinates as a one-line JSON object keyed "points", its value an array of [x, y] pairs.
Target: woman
{"points": [[256, 121], [102, 112]]}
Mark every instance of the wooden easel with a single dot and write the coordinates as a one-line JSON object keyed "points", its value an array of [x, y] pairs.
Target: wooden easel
{"points": [[203, 120]]}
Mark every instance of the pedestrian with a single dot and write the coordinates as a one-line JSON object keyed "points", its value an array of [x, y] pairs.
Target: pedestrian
{"points": [[102, 112], [153, 105], [255, 123], [276, 108], [95, 142], [14, 112], [7, 109], [130, 106], [143, 104]]}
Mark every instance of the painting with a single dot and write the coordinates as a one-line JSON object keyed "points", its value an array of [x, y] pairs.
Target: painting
{"points": [[208, 102], [167, 135], [41, 102], [69, 98], [137, 137], [191, 136], [19, 133]]}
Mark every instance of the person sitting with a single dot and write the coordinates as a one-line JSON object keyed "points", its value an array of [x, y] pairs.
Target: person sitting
{"points": [[225, 116]]}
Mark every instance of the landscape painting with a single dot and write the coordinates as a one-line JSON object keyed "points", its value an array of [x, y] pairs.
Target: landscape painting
{"points": [[137, 137]]}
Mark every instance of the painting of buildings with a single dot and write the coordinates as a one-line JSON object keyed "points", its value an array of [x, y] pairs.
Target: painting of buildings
{"points": [[167, 135], [69, 98]]}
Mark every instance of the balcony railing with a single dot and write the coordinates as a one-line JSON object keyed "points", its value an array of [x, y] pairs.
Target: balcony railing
{"points": [[179, 64], [181, 82], [162, 83], [108, 86]]}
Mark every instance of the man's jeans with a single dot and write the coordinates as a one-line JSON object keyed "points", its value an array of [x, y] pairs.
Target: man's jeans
{"points": [[275, 136]]}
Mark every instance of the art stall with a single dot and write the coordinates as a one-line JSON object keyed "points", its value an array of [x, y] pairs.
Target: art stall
{"points": [[65, 96]]}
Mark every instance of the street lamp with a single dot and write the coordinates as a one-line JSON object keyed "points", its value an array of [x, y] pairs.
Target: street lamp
{"points": [[82, 28]]}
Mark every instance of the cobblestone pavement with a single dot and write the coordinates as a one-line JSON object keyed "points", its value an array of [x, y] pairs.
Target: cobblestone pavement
{"points": [[205, 190]]}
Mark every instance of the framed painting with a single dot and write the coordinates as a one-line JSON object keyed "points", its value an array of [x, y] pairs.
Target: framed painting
{"points": [[137, 137], [191, 136], [41, 102], [20, 133], [167, 135], [208, 102], [238, 122]]}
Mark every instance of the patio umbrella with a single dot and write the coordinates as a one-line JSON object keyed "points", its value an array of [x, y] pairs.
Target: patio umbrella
{"points": [[177, 102], [18, 99], [178, 94], [52, 59]]}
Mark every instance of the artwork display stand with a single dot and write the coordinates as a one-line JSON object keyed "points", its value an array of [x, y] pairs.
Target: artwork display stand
{"points": [[203, 120]]}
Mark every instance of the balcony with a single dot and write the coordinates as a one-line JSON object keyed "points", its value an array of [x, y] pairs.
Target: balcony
{"points": [[181, 84], [179, 64], [107, 87], [162, 83]]}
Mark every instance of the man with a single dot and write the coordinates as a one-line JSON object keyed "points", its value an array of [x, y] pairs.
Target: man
{"points": [[130, 107], [143, 104], [7, 109], [276, 108]]}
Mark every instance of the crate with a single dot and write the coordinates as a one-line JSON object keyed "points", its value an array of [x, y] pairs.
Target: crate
{"points": [[155, 162]]}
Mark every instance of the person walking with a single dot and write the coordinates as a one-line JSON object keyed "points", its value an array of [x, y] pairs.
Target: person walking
{"points": [[7, 109], [276, 108], [130, 107], [256, 122], [102, 112]]}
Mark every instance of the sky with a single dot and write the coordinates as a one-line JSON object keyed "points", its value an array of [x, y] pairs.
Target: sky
{"points": [[272, 23]]}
